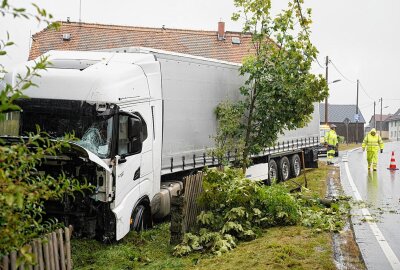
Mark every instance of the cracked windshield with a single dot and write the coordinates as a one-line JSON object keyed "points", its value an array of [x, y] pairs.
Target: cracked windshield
{"points": [[58, 117]]}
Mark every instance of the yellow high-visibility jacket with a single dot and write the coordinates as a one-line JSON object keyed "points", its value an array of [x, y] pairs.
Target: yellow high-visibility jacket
{"points": [[331, 137], [372, 143]]}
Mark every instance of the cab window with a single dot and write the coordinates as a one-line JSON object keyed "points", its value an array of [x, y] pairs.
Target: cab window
{"points": [[132, 131]]}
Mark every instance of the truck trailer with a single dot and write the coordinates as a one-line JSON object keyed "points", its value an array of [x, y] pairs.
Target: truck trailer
{"points": [[144, 119]]}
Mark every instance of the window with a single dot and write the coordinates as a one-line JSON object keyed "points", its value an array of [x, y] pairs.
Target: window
{"points": [[144, 126], [132, 132], [123, 140]]}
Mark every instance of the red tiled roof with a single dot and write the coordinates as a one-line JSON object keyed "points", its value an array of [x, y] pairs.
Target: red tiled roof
{"points": [[87, 36], [378, 117]]}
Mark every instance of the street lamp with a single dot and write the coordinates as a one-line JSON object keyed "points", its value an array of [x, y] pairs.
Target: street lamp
{"points": [[326, 102], [335, 81]]}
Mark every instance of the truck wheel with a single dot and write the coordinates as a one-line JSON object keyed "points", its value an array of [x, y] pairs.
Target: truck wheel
{"points": [[272, 171], [284, 169], [141, 218], [295, 165]]}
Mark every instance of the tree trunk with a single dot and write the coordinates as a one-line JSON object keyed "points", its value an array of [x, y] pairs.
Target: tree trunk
{"points": [[248, 129]]}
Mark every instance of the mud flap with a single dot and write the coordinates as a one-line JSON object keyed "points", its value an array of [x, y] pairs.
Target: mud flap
{"points": [[311, 157]]}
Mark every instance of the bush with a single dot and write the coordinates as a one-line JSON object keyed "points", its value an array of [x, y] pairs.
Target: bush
{"points": [[236, 209], [23, 190]]}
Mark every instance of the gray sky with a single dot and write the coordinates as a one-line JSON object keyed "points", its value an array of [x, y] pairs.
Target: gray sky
{"points": [[361, 37]]}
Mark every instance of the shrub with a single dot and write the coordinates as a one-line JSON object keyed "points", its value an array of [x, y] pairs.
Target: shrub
{"points": [[236, 209], [23, 190]]}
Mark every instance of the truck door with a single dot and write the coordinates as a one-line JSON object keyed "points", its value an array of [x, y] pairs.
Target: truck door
{"points": [[129, 147]]}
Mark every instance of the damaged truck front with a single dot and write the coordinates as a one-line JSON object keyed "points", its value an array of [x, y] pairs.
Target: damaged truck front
{"points": [[88, 158], [104, 101]]}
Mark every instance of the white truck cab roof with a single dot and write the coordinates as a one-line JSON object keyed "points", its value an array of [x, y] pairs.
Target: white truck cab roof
{"points": [[91, 76]]}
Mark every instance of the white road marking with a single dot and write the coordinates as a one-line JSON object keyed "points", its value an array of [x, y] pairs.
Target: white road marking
{"points": [[387, 250]]}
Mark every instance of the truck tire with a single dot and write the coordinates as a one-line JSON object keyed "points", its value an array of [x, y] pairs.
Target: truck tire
{"points": [[295, 165], [141, 218], [284, 169], [272, 171]]}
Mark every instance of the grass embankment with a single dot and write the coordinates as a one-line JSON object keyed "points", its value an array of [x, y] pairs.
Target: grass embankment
{"points": [[345, 147], [277, 248]]}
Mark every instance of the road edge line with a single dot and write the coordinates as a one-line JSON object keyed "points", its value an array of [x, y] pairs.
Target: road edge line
{"points": [[387, 250]]}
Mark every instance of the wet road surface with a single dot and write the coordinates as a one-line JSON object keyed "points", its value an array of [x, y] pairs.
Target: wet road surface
{"points": [[376, 213]]}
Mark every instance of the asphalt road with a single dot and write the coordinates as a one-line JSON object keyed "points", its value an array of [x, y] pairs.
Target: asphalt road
{"points": [[376, 212]]}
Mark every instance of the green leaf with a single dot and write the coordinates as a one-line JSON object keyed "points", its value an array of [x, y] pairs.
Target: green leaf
{"points": [[10, 198], [26, 86]]}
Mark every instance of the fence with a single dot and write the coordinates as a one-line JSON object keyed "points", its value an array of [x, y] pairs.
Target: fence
{"points": [[184, 209], [51, 252], [193, 188]]}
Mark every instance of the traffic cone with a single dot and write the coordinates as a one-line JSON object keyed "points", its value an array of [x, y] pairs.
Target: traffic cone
{"points": [[392, 163]]}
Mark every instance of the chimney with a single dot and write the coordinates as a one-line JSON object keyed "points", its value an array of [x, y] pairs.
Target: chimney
{"points": [[221, 31]]}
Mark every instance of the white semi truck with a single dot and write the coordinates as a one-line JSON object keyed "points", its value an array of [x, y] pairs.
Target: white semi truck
{"points": [[144, 119]]}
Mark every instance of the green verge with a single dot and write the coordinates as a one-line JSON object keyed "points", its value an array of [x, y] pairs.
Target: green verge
{"points": [[345, 147], [294, 247]]}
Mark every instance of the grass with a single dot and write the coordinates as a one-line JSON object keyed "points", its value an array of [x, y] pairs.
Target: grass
{"points": [[345, 147], [278, 248], [293, 247], [316, 181], [147, 250]]}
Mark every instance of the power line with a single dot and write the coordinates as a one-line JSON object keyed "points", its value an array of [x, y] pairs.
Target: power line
{"points": [[365, 91], [366, 105], [319, 64], [347, 79]]}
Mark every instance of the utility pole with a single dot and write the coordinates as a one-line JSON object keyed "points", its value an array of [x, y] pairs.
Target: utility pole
{"points": [[380, 124], [326, 99], [358, 82]]}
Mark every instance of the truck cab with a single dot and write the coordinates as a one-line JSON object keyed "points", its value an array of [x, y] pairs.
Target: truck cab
{"points": [[112, 104]]}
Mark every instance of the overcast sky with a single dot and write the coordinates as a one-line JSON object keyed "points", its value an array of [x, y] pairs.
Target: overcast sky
{"points": [[361, 37]]}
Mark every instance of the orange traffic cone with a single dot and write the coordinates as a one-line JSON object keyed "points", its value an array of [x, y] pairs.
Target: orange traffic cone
{"points": [[392, 163]]}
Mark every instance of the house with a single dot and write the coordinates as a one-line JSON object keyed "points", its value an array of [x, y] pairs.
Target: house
{"points": [[394, 126], [342, 114], [379, 122], [219, 44]]}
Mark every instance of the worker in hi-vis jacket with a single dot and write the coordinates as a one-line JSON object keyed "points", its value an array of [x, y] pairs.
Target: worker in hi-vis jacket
{"points": [[373, 142], [331, 142]]}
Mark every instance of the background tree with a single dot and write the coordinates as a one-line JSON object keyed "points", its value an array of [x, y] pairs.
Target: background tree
{"points": [[280, 91], [22, 189]]}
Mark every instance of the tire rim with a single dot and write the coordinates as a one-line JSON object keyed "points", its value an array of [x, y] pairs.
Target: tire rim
{"points": [[285, 170], [272, 172], [296, 167]]}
